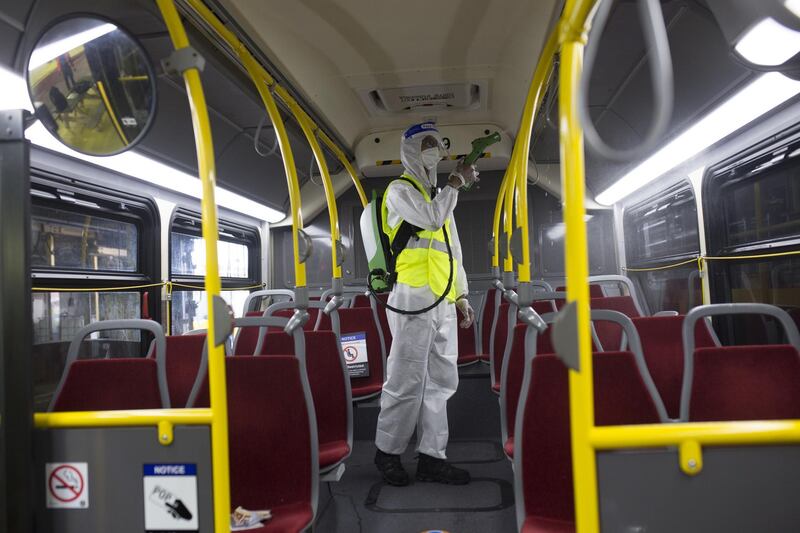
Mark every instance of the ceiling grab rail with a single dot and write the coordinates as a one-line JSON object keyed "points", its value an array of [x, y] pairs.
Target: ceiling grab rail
{"points": [[216, 318]]}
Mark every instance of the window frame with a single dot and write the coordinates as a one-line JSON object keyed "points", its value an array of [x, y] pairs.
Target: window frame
{"points": [[47, 189], [652, 201]]}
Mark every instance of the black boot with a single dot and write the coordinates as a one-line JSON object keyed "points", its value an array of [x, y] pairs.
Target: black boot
{"points": [[438, 470], [391, 468]]}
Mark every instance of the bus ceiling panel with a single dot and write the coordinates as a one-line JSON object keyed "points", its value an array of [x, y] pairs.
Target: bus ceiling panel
{"points": [[332, 52], [9, 38]]}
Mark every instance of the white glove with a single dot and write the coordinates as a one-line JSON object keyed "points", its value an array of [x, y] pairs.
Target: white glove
{"points": [[464, 175], [466, 311]]}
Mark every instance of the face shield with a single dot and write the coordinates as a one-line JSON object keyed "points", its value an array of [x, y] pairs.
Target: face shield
{"points": [[421, 149]]}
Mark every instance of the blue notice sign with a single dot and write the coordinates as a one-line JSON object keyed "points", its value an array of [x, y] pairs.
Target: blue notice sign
{"points": [[170, 497]]}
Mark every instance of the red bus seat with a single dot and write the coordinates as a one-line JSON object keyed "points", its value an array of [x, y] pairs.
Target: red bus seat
{"points": [[466, 344], [183, 359], [272, 441], [727, 383], [324, 364], [543, 460], [595, 290], [488, 316], [609, 333], [113, 383], [499, 344], [663, 351]]}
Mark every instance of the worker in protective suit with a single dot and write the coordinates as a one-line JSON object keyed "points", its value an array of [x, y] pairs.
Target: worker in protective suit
{"points": [[421, 371]]}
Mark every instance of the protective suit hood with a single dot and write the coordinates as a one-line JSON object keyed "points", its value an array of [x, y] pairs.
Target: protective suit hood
{"points": [[411, 152]]}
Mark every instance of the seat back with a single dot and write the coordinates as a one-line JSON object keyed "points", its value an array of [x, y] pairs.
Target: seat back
{"points": [[500, 337], [595, 290], [609, 334], [663, 352], [271, 434], [740, 382], [542, 456], [272, 427], [110, 384], [466, 344], [488, 318], [246, 338], [186, 356], [329, 382]]}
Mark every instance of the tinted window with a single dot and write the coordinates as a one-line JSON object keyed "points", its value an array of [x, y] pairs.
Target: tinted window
{"points": [[63, 239], [662, 228], [764, 204], [190, 309]]}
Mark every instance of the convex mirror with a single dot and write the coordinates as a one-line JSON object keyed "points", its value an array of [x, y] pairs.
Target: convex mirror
{"points": [[92, 85]]}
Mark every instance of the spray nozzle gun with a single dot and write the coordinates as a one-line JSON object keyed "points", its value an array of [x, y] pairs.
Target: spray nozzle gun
{"points": [[479, 146]]}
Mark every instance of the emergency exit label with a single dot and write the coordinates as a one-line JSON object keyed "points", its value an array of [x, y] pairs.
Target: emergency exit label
{"points": [[170, 498], [354, 347], [67, 485]]}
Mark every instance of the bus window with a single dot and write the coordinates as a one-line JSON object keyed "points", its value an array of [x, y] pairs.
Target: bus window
{"points": [[87, 247], [238, 252], [601, 251], [661, 231], [757, 200]]}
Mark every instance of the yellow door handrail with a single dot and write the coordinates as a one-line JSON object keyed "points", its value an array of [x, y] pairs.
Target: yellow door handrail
{"points": [[208, 208]]}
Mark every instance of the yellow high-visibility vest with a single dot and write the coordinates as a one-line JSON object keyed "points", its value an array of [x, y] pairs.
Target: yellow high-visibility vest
{"points": [[424, 261]]}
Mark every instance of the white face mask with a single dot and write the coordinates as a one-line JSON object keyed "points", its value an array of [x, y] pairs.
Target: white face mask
{"points": [[430, 158]]}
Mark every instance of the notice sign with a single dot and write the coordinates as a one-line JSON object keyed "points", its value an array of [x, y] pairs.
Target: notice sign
{"points": [[170, 498], [354, 347], [67, 485]]}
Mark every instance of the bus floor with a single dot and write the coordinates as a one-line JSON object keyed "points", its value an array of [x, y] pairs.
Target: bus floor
{"points": [[361, 502]]}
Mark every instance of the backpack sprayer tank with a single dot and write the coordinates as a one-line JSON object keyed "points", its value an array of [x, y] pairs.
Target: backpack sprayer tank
{"points": [[380, 257]]}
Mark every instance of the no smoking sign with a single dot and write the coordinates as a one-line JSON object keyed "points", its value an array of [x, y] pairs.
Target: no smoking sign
{"points": [[67, 485]]}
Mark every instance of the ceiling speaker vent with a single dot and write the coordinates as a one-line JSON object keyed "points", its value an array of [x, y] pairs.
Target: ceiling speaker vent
{"points": [[423, 98]]}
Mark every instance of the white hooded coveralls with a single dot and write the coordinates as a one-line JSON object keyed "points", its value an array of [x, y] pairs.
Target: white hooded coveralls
{"points": [[422, 373]]}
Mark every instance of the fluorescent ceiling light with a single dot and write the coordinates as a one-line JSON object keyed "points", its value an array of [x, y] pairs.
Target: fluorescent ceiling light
{"points": [[14, 95], [769, 43], [48, 52], [765, 93], [793, 6]]}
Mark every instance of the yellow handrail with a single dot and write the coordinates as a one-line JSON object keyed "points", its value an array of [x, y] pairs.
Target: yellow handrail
{"points": [[253, 66], [498, 211], [523, 145], [309, 129], [572, 33], [216, 354]]}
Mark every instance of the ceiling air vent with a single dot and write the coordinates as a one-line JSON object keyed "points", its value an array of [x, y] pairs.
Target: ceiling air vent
{"points": [[423, 98]]}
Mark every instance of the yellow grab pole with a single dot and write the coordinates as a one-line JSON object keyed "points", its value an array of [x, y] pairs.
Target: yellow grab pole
{"points": [[498, 211], [572, 36], [257, 74], [216, 354], [532, 104], [330, 194], [347, 165], [508, 214]]}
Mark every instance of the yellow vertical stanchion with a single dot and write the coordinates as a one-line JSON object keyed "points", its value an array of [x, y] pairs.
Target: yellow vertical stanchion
{"points": [[216, 354], [573, 29], [347, 165], [330, 195]]}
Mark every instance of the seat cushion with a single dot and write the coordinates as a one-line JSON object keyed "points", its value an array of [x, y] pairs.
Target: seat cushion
{"points": [[359, 391], [331, 453], [508, 447], [535, 524]]}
